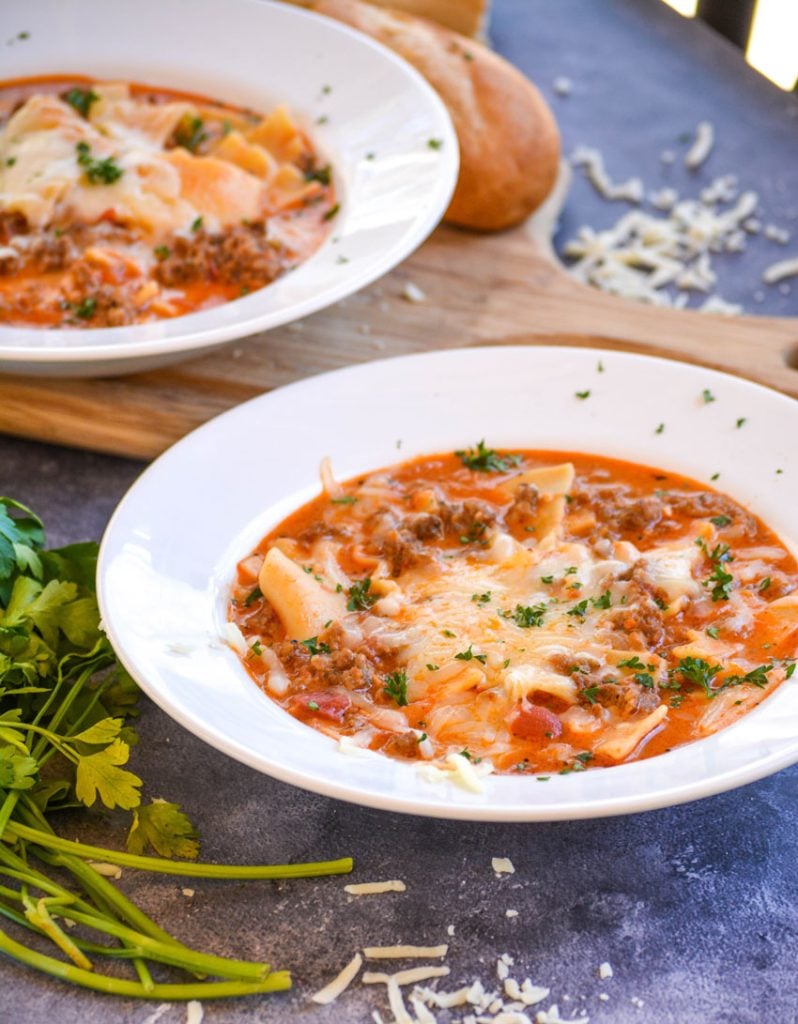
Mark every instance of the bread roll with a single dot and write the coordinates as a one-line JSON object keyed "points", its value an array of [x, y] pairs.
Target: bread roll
{"points": [[509, 143]]}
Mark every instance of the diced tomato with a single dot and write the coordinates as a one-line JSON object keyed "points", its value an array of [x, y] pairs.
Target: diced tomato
{"points": [[325, 704], [532, 722]]}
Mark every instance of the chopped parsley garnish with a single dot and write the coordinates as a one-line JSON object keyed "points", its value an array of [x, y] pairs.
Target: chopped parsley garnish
{"points": [[449, 633], [98, 172], [332, 212], [602, 602], [435, 143], [582, 394], [546, 579], [360, 599], [256, 648], [579, 610], [253, 596], [422, 737], [11, 161], [633, 662], [466, 753], [85, 309], [707, 395], [196, 224], [660, 429], [644, 679], [720, 521], [486, 460], [527, 616], [321, 174], [765, 583], [469, 655], [699, 673], [788, 672], [315, 647], [190, 133], [740, 422], [80, 100], [162, 252], [722, 583], [590, 693], [431, 667], [600, 367], [481, 598], [715, 476], [396, 687], [312, 705], [474, 534], [712, 631], [346, 499], [571, 570]]}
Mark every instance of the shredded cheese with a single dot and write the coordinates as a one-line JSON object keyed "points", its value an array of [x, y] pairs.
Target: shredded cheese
{"points": [[502, 866], [340, 983], [701, 147], [194, 1012], [778, 271], [403, 952], [375, 888], [411, 976]]}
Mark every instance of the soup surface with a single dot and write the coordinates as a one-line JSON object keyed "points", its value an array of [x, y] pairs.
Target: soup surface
{"points": [[122, 204], [522, 612]]}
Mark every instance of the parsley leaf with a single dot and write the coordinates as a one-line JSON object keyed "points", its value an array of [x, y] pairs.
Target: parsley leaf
{"points": [[101, 774], [527, 616], [485, 460], [396, 687], [97, 172], [360, 599], [80, 99], [165, 828], [468, 655], [315, 647]]}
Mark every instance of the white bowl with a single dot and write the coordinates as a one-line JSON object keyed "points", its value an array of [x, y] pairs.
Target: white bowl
{"points": [[257, 54], [170, 551]]}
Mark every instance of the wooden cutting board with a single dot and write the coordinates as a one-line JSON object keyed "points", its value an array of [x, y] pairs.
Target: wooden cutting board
{"points": [[480, 289]]}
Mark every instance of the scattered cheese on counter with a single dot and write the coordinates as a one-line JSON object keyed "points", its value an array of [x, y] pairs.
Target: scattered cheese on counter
{"points": [[776, 234], [194, 1012], [375, 888], [605, 970], [593, 163], [778, 271], [411, 976], [403, 952], [413, 293], [187, 892], [502, 866], [552, 1016], [511, 913], [562, 86], [340, 983], [701, 147]]}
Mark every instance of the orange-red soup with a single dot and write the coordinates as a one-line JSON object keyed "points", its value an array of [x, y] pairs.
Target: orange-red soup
{"points": [[537, 612], [121, 203]]}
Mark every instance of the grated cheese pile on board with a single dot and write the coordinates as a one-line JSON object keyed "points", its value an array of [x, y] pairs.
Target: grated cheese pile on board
{"points": [[662, 255]]}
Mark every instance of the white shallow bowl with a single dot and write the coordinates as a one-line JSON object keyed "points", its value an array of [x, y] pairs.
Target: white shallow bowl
{"points": [[169, 555], [256, 54]]}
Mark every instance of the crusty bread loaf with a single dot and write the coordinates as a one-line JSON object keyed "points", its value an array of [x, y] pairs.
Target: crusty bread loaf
{"points": [[509, 143]]}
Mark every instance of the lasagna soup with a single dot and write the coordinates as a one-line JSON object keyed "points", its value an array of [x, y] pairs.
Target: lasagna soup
{"points": [[122, 204], [525, 612]]}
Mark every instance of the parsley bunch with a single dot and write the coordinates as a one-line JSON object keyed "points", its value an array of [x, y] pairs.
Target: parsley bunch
{"points": [[65, 738]]}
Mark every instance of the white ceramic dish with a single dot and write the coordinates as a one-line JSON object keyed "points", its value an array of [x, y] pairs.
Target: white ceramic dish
{"points": [[170, 552], [257, 54]]}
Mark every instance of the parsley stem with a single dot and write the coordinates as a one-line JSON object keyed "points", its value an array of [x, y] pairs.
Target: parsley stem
{"points": [[277, 982], [16, 830]]}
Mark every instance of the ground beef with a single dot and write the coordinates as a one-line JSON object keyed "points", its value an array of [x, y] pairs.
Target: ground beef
{"points": [[340, 666], [641, 617], [703, 504], [401, 744], [629, 697], [619, 511], [524, 506], [240, 255], [12, 224], [321, 529], [468, 519]]}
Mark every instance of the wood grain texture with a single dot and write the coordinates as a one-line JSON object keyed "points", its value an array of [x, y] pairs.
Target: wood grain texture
{"points": [[499, 289]]}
